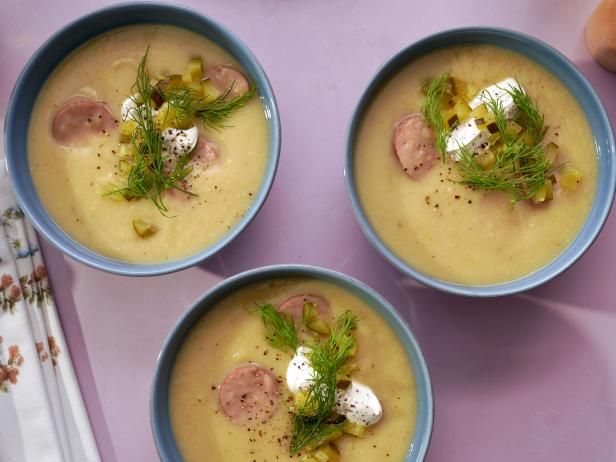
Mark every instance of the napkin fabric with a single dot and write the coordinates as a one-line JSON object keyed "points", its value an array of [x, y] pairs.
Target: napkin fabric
{"points": [[42, 415]]}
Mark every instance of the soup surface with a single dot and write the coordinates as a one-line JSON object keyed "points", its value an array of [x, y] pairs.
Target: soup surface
{"points": [[229, 335], [72, 180], [448, 230]]}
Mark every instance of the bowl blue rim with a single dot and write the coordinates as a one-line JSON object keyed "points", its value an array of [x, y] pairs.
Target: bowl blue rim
{"points": [[159, 411], [606, 149], [75, 34]]}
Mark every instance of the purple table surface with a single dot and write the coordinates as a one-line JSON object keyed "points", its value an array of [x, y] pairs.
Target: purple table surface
{"points": [[525, 378]]}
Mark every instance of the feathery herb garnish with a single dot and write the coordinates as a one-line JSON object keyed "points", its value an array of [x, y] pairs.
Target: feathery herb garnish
{"points": [[431, 110], [280, 330], [528, 116], [152, 170], [148, 177], [518, 165], [310, 422], [189, 103], [520, 168]]}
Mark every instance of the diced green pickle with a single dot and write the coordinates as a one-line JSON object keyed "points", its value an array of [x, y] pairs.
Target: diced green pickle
{"points": [[308, 458], [545, 194], [309, 311], [513, 127], [354, 429], [326, 453], [551, 151], [480, 112], [126, 150], [570, 177], [486, 160], [125, 167], [187, 78], [195, 69], [348, 368], [173, 82], [209, 91], [143, 227], [319, 326]]}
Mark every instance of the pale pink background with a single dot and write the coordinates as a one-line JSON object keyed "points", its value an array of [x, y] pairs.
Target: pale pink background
{"points": [[526, 378]]}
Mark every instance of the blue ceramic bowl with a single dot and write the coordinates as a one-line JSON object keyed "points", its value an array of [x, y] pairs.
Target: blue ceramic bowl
{"points": [[569, 75], [159, 407], [42, 64]]}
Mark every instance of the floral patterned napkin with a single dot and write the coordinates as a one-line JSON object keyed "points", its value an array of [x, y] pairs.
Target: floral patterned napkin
{"points": [[42, 415]]}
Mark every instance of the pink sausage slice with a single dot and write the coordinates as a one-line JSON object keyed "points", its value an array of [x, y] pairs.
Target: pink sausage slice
{"points": [[224, 77], [80, 118], [205, 152], [294, 306], [414, 144], [249, 395]]}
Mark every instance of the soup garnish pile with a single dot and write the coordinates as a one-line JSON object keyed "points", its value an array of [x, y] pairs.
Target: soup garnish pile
{"points": [[496, 138], [160, 143], [324, 401]]}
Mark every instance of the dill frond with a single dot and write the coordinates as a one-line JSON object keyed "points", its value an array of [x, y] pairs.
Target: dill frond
{"points": [[280, 330], [327, 356], [189, 103], [310, 423], [496, 107], [519, 171], [528, 116], [148, 177], [520, 167], [431, 110]]}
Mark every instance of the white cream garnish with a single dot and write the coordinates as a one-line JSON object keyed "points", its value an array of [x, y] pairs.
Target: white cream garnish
{"points": [[299, 372], [179, 142], [499, 92], [175, 141], [358, 403], [467, 134], [128, 109]]}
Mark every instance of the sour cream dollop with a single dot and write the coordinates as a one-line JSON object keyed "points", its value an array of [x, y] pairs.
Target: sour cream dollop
{"points": [[467, 133], [358, 403], [299, 371], [175, 141]]}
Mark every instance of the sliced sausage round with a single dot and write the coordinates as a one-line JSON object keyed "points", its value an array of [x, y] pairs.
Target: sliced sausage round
{"points": [[294, 306], [414, 144], [226, 77], [249, 395], [79, 118], [206, 152]]}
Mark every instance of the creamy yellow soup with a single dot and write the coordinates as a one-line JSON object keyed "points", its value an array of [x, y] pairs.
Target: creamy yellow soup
{"points": [[228, 336], [445, 229], [71, 181]]}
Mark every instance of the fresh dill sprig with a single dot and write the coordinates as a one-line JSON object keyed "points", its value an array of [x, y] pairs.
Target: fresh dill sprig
{"points": [[496, 107], [310, 422], [215, 113], [527, 114], [520, 166], [149, 177], [280, 330], [519, 171], [431, 110]]}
